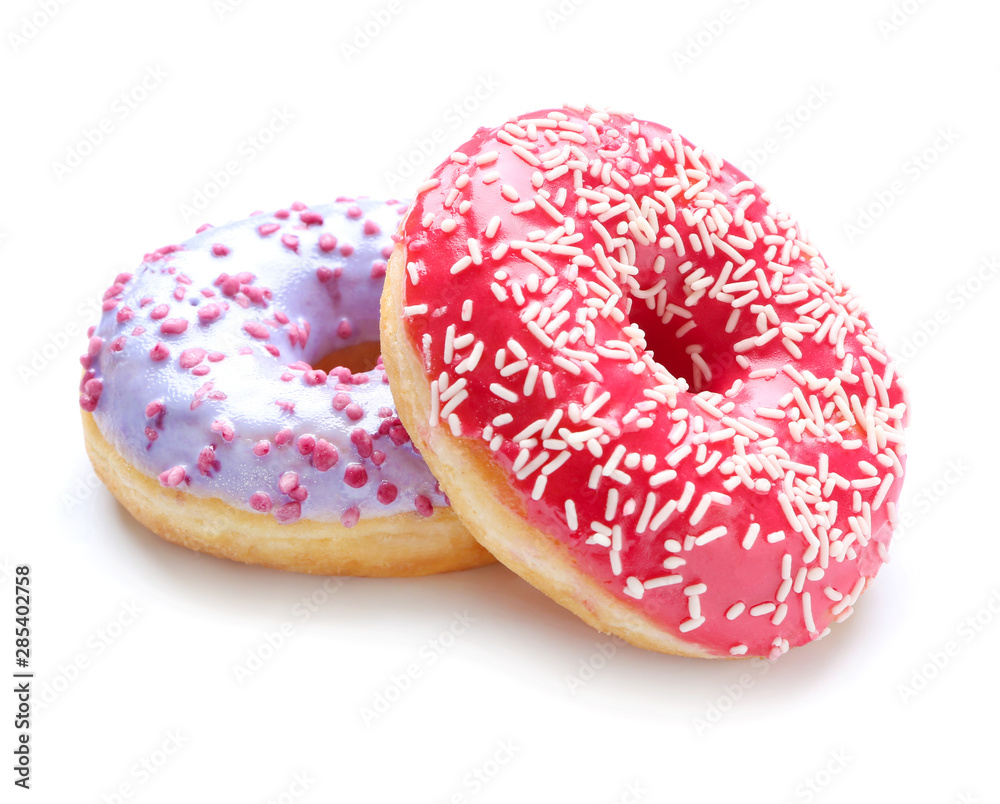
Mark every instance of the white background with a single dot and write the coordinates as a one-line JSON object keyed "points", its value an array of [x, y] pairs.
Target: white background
{"points": [[904, 124]]}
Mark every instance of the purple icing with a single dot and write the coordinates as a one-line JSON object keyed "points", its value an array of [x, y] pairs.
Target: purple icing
{"points": [[200, 371]]}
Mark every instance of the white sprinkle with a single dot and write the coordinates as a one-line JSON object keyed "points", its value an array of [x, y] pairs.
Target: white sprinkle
{"points": [[503, 393], [415, 309]]}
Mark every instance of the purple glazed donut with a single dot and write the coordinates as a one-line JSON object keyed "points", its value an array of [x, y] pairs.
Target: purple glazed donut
{"points": [[205, 416]]}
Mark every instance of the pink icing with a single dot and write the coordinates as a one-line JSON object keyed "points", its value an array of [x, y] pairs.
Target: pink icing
{"points": [[738, 489]]}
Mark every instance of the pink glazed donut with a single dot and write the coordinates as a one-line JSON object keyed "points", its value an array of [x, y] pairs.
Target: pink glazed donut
{"points": [[642, 387], [205, 416]]}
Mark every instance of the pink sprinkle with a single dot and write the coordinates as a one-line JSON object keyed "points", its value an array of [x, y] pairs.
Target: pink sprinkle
{"points": [[209, 312], [179, 293], [378, 457], [257, 330], [283, 436], [299, 493], [359, 379], [309, 218], [346, 249], [280, 317], [114, 290], [260, 501], [291, 242], [341, 400], [86, 361], [122, 278], [305, 444], [266, 229], [386, 492], [93, 387], [160, 311], [117, 344], [137, 331], [173, 477], [362, 442], [423, 505], [324, 274], [325, 455], [289, 512], [355, 475], [354, 411], [215, 357], [384, 412], [386, 252], [285, 405], [350, 517], [109, 304], [327, 242], [191, 357], [155, 408], [151, 434], [314, 377], [282, 214], [298, 206], [225, 428], [287, 376], [174, 326], [159, 351], [344, 329], [200, 371], [354, 211], [123, 315], [261, 448], [94, 345], [398, 435], [88, 403], [207, 461], [272, 349], [371, 228], [219, 250], [378, 269], [202, 228], [287, 482]]}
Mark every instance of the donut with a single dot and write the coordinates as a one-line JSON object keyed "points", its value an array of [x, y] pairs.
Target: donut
{"points": [[208, 414], [642, 387]]}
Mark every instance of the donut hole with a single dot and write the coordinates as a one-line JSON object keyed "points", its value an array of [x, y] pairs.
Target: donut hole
{"points": [[684, 357], [359, 358]]}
